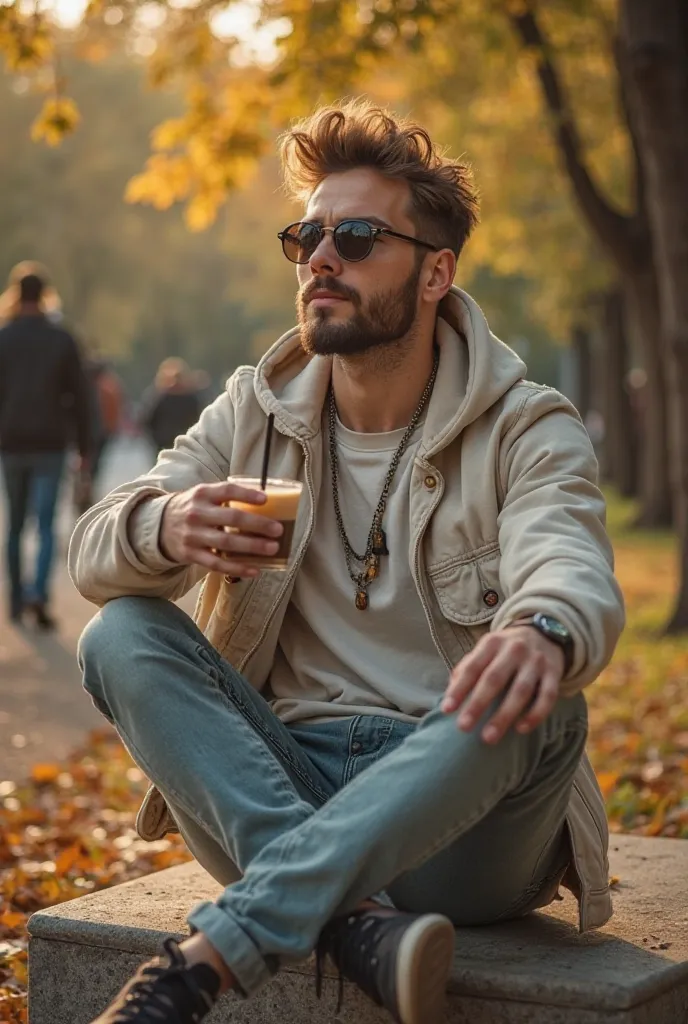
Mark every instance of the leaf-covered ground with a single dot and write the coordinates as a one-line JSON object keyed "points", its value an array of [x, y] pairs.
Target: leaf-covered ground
{"points": [[639, 706], [69, 829]]}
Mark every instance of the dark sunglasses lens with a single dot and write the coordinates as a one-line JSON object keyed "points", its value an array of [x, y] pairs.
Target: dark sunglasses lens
{"points": [[354, 240], [300, 241]]}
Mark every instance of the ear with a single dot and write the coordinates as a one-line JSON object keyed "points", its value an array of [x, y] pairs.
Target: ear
{"points": [[438, 275]]}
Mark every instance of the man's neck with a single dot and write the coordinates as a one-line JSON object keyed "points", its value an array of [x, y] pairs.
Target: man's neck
{"points": [[379, 391], [30, 309]]}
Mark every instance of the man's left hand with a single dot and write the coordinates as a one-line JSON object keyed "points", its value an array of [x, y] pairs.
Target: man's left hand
{"points": [[519, 663]]}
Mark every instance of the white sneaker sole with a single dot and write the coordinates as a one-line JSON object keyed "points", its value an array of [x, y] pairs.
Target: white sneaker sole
{"points": [[424, 962]]}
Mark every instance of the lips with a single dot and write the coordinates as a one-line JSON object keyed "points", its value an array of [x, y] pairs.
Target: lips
{"points": [[326, 295]]}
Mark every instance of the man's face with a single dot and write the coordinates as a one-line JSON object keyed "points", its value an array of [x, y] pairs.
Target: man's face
{"points": [[346, 308]]}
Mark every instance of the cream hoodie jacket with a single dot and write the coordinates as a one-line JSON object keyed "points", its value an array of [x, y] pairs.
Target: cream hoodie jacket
{"points": [[503, 498]]}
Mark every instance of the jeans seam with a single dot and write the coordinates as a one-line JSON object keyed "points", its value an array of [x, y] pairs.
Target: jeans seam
{"points": [[528, 894], [350, 757], [453, 833], [274, 766], [175, 797], [467, 823], [388, 730], [230, 694]]}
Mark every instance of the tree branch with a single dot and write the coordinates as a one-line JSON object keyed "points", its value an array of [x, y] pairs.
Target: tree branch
{"points": [[621, 63], [611, 227]]}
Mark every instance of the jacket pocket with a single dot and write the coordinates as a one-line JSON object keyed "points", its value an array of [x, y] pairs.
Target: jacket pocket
{"points": [[467, 589], [231, 603]]}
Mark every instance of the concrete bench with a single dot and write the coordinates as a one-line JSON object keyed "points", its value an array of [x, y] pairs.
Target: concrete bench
{"points": [[538, 970]]}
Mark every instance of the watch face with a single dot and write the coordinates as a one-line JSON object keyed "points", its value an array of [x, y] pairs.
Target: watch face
{"points": [[553, 627]]}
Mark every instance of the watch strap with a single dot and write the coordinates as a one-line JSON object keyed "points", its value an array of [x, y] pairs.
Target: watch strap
{"points": [[566, 648]]}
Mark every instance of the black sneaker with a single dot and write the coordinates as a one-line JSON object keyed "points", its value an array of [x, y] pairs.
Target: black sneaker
{"points": [[173, 993], [401, 961]]}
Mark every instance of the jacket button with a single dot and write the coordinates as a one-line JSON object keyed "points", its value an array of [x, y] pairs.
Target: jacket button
{"points": [[491, 598], [430, 482]]}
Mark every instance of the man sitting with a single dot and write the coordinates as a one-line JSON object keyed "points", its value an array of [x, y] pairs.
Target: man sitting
{"points": [[386, 741]]}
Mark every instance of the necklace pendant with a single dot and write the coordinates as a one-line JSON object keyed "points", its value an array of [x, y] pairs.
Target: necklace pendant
{"points": [[380, 543], [361, 600], [373, 568]]}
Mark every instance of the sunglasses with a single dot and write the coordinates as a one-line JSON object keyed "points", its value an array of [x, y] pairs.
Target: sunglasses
{"points": [[353, 240]]}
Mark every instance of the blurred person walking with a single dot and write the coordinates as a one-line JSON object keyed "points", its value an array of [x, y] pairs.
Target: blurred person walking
{"points": [[107, 404], [10, 300], [106, 407], [171, 405], [43, 407], [108, 400]]}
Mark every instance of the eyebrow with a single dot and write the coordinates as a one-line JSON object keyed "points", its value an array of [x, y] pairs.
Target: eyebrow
{"points": [[377, 221], [372, 219]]}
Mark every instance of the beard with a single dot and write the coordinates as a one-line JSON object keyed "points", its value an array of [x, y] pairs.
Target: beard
{"points": [[388, 318]]}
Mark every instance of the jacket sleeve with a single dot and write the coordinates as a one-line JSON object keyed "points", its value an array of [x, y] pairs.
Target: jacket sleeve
{"points": [[556, 556], [115, 550]]}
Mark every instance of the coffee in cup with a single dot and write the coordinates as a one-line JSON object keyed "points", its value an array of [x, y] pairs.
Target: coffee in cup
{"points": [[282, 504]]}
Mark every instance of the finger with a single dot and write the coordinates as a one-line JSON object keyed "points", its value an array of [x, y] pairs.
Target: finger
{"points": [[228, 567], [465, 675], [547, 697], [493, 680], [247, 522], [233, 543], [519, 695], [228, 491]]}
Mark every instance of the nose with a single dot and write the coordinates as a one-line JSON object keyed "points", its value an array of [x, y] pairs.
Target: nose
{"points": [[325, 259]]}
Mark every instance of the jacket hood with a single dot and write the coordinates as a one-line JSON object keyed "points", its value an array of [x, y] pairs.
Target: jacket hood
{"points": [[476, 369]]}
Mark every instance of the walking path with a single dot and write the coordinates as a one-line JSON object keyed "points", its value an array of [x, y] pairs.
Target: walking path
{"points": [[44, 713]]}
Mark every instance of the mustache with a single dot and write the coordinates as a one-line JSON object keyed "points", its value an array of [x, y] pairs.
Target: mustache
{"points": [[328, 284]]}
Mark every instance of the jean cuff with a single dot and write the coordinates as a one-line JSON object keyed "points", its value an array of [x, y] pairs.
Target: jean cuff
{"points": [[234, 946]]}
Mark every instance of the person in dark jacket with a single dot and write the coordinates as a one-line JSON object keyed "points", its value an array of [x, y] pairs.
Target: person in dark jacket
{"points": [[171, 406], [43, 409]]}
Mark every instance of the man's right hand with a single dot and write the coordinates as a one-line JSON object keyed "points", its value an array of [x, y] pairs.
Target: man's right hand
{"points": [[192, 530]]}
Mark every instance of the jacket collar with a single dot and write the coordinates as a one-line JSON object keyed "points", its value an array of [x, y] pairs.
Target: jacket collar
{"points": [[476, 369]]}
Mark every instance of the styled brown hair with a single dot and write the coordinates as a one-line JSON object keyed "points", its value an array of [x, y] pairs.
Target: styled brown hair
{"points": [[444, 201]]}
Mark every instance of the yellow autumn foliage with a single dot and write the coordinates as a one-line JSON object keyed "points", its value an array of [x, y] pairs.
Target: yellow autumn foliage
{"points": [[58, 118], [458, 67]]}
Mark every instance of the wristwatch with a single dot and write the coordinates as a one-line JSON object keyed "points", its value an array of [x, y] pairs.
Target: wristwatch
{"points": [[554, 630]]}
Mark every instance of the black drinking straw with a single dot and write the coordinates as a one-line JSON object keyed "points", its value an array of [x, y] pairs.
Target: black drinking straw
{"points": [[266, 451]]}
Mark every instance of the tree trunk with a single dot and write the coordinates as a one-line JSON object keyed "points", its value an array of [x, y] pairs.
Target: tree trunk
{"points": [[655, 37], [620, 432], [627, 242], [642, 316], [580, 343]]}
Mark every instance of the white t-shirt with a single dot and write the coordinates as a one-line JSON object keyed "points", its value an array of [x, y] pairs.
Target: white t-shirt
{"points": [[333, 660]]}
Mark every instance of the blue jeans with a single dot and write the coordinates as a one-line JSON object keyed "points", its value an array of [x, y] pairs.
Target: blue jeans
{"points": [[32, 484], [303, 822]]}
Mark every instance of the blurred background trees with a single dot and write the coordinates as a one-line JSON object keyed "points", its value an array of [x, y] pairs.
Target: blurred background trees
{"points": [[572, 113]]}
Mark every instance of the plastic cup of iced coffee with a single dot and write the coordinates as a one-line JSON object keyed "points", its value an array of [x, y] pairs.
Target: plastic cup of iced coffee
{"points": [[282, 504]]}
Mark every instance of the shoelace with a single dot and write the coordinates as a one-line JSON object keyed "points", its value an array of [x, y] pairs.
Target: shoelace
{"points": [[156, 1003], [350, 946]]}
